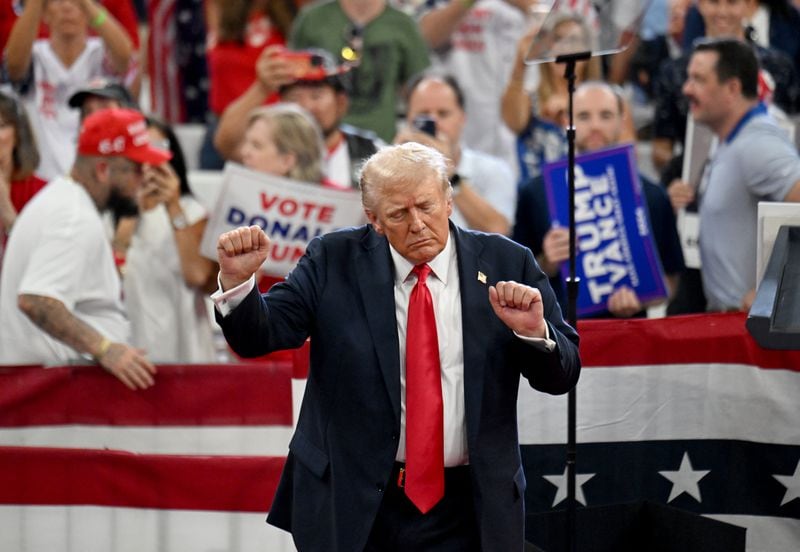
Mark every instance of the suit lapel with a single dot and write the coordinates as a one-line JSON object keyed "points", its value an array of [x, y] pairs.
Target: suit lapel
{"points": [[376, 282], [476, 315]]}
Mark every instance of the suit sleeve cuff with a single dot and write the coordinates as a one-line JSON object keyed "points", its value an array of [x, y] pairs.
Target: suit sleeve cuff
{"points": [[226, 301], [544, 344]]}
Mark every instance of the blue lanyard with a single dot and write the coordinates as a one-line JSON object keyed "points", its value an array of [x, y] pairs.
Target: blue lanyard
{"points": [[759, 109]]}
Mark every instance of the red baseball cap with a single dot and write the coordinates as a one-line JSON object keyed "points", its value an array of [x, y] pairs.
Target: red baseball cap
{"points": [[119, 132]]}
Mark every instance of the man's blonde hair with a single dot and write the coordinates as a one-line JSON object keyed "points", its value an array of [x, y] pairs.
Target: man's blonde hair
{"points": [[403, 163]]}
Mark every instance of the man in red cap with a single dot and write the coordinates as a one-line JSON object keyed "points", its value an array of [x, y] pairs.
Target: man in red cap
{"points": [[60, 294]]}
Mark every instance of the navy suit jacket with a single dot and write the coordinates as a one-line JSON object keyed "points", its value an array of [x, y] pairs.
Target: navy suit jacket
{"points": [[340, 459]]}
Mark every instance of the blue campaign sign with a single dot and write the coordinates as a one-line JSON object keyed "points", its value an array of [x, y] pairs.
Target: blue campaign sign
{"points": [[614, 241]]}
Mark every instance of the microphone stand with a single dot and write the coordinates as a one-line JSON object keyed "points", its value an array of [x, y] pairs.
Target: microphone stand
{"points": [[570, 60]]}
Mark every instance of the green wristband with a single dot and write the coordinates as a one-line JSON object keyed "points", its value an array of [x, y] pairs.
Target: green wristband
{"points": [[100, 18]]}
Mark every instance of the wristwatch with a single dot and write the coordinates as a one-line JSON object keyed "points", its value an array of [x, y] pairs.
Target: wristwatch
{"points": [[455, 181], [179, 222]]}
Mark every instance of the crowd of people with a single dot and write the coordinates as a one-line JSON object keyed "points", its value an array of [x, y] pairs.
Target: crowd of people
{"points": [[309, 92], [424, 320]]}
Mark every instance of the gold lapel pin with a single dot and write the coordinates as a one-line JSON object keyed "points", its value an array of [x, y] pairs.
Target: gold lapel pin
{"points": [[481, 277]]}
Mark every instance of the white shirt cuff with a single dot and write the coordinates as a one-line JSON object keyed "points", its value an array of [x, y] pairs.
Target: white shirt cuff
{"points": [[226, 301], [542, 343]]}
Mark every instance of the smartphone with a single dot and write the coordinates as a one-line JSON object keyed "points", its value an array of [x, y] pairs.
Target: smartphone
{"points": [[425, 124], [305, 65]]}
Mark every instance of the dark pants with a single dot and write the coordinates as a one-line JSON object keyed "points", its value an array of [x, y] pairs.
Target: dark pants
{"points": [[689, 297], [450, 526]]}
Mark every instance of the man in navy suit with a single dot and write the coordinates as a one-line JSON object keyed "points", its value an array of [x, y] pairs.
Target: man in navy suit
{"points": [[343, 487]]}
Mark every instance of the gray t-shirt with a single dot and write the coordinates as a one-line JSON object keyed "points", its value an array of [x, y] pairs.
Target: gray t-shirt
{"points": [[758, 164]]}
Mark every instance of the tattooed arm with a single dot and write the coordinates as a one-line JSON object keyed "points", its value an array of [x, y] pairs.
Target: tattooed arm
{"points": [[126, 363]]}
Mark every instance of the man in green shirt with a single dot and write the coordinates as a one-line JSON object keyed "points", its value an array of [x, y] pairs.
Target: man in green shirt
{"points": [[384, 46]]}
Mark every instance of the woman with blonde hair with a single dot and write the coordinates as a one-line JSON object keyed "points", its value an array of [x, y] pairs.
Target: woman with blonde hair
{"points": [[283, 140]]}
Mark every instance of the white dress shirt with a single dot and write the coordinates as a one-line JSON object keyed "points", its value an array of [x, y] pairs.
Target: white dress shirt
{"points": [[444, 285]]}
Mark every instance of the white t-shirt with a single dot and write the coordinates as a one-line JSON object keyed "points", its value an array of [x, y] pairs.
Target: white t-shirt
{"points": [[58, 249], [55, 124], [492, 179], [481, 56], [169, 320]]}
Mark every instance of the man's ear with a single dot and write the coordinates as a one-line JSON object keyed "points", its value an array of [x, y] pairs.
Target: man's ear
{"points": [[734, 86], [102, 171], [373, 220]]}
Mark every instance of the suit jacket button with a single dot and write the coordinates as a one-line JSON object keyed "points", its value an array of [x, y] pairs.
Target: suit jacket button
{"points": [[379, 487]]}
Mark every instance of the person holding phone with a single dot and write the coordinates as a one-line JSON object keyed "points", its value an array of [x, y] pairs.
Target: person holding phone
{"points": [[426, 124], [165, 279], [311, 79], [60, 294], [381, 44], [484, 191]]}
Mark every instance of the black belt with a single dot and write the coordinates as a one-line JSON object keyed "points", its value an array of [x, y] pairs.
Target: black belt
{"points": [[452, 476]]}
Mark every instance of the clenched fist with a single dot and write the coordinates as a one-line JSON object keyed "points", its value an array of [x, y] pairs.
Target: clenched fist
{"points": [[519, 307], [240, 253]]}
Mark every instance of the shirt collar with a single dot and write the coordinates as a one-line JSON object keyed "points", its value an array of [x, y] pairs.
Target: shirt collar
{"points": [[440, 265], [759, 109]]}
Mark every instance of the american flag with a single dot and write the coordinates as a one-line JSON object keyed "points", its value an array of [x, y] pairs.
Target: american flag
{"points": [[176, 60], [190, 464], [685, 411]]}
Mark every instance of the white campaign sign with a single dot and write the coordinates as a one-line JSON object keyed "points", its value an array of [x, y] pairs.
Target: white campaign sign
{"points": [[291, 213]]}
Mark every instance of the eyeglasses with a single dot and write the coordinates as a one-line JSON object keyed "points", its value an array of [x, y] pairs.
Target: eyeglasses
{"points": [[354, 44]]}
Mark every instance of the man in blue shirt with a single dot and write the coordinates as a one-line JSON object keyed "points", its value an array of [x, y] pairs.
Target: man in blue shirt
{"points": [[598, 125]]}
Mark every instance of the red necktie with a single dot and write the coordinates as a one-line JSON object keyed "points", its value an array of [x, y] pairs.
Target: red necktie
{"points": [[424, 482]]}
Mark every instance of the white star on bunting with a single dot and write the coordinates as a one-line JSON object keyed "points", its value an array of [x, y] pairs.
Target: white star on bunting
{"points": [[560, 481], [685, 480], [792, 484]]}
